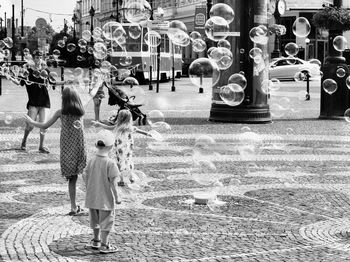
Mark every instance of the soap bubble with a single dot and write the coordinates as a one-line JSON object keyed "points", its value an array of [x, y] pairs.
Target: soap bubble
{"points": [[78, 72], [137, 11], [36, 73], [232, 94], [224, 43], [71, 47], [347, 82], [259, 35], [204, 73], [195, 35], [77, 124], [347, 115], [274, 84], [238, 79], [223, 57], [86, 35], [177, 32], [8, 119], [100, 50], [97, 33], [315, 61], [256, 54], [155, 116], [340, 43], [152, 38], [135, 31], [216, 28], [329, 86], [108, 29], [56, 53], [44, 74], [130, 81], [291, 49], [198, 45], [82, 43], [222, 10], [61, 43], [8, 42], [340, 72], [301, 27], [125, 60], [52, 76], [299, 76]]}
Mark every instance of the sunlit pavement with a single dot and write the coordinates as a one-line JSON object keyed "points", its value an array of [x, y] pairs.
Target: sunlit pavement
{"points": [[286, 198]]}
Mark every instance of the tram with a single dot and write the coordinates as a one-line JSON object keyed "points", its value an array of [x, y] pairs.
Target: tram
{"points": [[145, 57]]}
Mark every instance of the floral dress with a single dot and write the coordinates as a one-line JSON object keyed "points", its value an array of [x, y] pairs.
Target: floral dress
{"points": [[124, 145], [72, 143]]}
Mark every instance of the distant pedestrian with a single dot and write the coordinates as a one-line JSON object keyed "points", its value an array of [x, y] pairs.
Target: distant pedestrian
{"points": [[101, 193], [72, 141], [38, 105], [124, 141], [100, 94]]}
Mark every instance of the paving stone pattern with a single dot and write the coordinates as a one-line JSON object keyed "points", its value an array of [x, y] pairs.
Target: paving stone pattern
{"points": [[285, 200]]}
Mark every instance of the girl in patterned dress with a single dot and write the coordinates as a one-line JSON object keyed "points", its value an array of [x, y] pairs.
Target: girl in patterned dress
{"points": [[72, 142], [124, 142]]}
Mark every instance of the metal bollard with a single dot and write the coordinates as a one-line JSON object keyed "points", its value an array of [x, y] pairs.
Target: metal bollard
{"points": [[307, 97], [173, 79], [62, 76], [150, 87]]}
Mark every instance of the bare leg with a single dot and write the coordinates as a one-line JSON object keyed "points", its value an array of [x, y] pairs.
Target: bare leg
{"points": [[97, 235], [105, 237], [97, 104], [72, 183], [32, 113]]}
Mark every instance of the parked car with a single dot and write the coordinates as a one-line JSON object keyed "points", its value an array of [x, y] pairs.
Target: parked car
{"points": [[285, 68]]}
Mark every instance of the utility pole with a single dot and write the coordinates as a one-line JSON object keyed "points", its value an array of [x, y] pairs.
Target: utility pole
{"points": [[22, 29], [13, 55]]}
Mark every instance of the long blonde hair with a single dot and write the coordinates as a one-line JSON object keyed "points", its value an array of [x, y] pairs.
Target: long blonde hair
{"points": [[124, 121], [71, 103]]}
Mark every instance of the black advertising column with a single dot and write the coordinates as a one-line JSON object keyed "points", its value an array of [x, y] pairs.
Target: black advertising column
{"points": [[254, 108]]}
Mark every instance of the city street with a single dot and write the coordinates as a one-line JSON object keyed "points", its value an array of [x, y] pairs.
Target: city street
{"points": [[282, 188]]}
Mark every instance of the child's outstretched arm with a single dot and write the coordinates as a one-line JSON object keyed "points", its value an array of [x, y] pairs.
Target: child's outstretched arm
{"points": [[45, 125], [142, 132], [99, 124]]}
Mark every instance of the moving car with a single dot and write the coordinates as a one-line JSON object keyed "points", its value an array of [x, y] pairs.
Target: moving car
{"points": [[285, 68]]}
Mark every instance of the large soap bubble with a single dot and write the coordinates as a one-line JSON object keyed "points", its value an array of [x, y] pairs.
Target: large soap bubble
{"points": [[301, 27], [223, 57], [86, 35], [340, 43], [232, 94], [329, 86], [152, 38], [195, 35], [109, 28], [223, 10], [238, 79], [259, 35], [216, 28], [137, 11], [135, 30], [204, 73], [177, 32], [224, 43]]}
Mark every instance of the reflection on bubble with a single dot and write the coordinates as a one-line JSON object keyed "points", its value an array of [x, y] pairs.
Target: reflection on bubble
{"points": [[223, 57], [71, 47], [329, 86], [259, 35], [301, 27], [222, 10], [61, 43]]}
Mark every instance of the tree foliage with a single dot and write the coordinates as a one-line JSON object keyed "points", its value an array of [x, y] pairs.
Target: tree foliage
{"points": [[332, 18]]}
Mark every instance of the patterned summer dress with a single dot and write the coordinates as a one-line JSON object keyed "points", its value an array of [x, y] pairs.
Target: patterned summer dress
{"points": [[72, 142], [124, 145]]}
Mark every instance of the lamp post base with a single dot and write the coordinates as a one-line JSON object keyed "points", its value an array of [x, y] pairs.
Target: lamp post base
{"points": [[246, 114]]}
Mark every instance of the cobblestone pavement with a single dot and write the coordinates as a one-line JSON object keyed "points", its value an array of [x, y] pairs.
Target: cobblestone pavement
{"points": [[283, 194]]}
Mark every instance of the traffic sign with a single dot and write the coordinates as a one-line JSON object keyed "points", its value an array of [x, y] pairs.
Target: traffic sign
{"points": [[158, 26]]}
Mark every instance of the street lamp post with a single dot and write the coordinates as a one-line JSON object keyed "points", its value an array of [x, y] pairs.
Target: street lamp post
{"points": [[75, 20], [115, 4], [92, 13], [13, 57], [22, 30]]}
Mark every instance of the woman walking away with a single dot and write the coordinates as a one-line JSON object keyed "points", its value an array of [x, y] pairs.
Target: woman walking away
{"points": [[72, 142]]}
